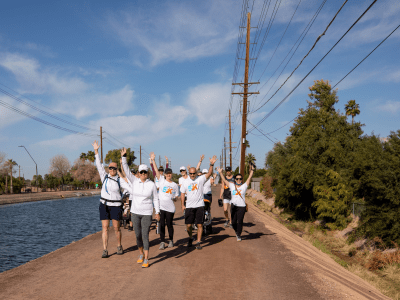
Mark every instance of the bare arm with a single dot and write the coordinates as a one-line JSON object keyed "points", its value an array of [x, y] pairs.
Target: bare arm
{"points": [[212, 162], [224, 181], [154, 165], [199, 164], [250, 175]]}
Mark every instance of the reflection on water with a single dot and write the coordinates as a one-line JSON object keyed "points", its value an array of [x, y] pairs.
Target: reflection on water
{"points": [[31, 230]]}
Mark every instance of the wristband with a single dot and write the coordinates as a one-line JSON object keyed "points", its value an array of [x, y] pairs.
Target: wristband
{"points": [[212, 165], [124, 155]]}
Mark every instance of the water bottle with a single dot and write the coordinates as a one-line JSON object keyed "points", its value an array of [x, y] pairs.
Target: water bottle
{"points": [[158, 228]]}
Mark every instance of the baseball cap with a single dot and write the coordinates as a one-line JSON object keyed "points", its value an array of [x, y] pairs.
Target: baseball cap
{"points": [[182, 168], [143, 168], [205, 171], [133, 171], [228, 169], [168, 170]]}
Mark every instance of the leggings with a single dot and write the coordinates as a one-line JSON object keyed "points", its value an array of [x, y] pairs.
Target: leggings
{"points": [[166, 218], [237, 215], [141, 225]]}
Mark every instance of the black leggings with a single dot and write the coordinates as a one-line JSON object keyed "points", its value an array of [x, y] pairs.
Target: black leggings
{"points": [[166, 218], [237, 215]]}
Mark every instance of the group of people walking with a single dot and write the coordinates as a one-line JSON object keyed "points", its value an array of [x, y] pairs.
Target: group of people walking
{"points": [[146, 196]]}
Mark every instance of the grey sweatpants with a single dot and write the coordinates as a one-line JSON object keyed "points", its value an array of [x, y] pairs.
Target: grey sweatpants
{"points": [[141, 225]]}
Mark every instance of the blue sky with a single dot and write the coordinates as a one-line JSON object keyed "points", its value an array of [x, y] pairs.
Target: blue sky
{"points": [[159, 73]]}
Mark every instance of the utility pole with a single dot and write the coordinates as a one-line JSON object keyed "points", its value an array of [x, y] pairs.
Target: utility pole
{"points": [[159, 161], [225, 152], [245, 93], [230, 140], [222, 158], [101, 144], [140, 154], [19, 172]]}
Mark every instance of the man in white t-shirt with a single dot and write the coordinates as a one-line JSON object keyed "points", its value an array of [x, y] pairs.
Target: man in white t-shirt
{"points": [[193, 189]]}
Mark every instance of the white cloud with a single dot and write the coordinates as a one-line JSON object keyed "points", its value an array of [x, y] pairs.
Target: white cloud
{"points": [[37, 80], [209, 102], [9, 117], [390, 106], [177, 31]]}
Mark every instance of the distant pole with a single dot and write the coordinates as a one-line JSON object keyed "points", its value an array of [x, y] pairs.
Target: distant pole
{"points": [[101, 144], [170, 164], [140, 154], [19, 172], [35, 164], [159, 161], [225, 152], [222, 159], [230, 140]]}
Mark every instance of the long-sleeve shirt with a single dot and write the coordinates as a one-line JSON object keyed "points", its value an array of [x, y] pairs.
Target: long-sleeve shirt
{"points": [[144, 194], [110, 189]]}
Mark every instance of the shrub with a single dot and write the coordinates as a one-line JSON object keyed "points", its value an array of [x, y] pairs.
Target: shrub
{"points": [[266, 186]]}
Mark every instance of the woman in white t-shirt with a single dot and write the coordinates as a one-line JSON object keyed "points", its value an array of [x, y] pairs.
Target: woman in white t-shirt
{"points": [[167, 193], [238, 202]]}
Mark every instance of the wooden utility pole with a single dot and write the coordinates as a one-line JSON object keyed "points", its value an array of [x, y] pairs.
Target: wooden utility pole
{"points": [[159, 161], [101, 144], [222, 158], [140, 154], [19, 172], [245, 93], [225, 152], [230, 140]]}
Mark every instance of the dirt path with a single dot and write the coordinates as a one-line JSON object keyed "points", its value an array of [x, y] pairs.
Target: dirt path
{"points": [[270, 263]]}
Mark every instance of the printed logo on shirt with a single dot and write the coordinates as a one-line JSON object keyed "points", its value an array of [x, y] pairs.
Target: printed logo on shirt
{"points": [[236, 192], [167, 190], [193, 187]]}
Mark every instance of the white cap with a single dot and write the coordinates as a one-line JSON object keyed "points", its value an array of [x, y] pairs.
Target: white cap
{"points": [[205, 171], [143, 168], [182, 168]]}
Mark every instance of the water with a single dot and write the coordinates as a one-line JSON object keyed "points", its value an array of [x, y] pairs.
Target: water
{"points": [[33, 229]]}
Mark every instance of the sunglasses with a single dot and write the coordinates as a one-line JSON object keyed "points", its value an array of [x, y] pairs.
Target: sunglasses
{"points": [[183, 170], [112, 168], [239, 178], [192, 173], [143, 172]]}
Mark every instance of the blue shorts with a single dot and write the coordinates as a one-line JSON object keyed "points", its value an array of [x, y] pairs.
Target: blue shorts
{"points": [[110, 212]]}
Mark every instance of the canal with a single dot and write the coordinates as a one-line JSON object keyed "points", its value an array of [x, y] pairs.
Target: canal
{"points": [[33, 229]]}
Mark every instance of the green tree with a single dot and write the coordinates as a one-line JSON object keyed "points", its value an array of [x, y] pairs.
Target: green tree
{"points": [[352, 109], [321, 140], [115, 156], [11, 164], [37, 181], [83, 156], [248, 160]]}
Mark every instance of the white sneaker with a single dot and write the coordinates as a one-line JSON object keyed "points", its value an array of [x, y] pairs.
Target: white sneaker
{"points": [[238, 238], [171, 244], [162, 246]]}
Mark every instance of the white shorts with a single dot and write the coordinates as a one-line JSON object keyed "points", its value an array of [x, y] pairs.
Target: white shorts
{"points": [[227, 201]]}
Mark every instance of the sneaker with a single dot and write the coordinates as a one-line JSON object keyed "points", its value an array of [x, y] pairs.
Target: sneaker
{"points": [[105, 254], [226, 223], [162, 246], [171, 244], [140, 260], [120, 251], [130, 228], [198, 246], [145, 263], [190, 243], [230, 226], [238, 238]]}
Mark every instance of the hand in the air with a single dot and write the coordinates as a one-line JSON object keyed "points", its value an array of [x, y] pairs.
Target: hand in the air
{"points": [[95, 145]]}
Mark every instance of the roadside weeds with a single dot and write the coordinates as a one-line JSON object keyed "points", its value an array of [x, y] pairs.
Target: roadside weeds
{"points": [[379, 268]]}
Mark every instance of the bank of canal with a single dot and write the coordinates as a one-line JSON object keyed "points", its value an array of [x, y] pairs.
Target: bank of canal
{"points": [[33, 229]]}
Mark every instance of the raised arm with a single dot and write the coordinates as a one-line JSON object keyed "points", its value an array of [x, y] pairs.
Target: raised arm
{"points": [[154, 165], [224, 181], [167, 162], [99, 166], [250, 175], [199, 164], [125, 167], [212, 162]]}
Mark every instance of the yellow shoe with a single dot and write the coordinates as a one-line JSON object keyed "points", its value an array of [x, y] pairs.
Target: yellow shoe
{"points": [[140, 260], [145, 264]]}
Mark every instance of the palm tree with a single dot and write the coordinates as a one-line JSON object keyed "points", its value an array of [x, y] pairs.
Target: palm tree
{"points": [[11, 165], [83, 156], [249, 159], [90, 156], [352, 109]]}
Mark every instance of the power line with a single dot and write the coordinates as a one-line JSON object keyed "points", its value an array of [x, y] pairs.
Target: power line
{"points": [[280, 103]]}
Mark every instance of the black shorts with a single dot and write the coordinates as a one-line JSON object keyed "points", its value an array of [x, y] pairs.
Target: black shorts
{"points": [[208, 197], [110, 212], [194, 215]]}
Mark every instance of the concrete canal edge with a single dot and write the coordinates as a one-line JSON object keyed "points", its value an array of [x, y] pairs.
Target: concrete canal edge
{"points": [[30, 197]]}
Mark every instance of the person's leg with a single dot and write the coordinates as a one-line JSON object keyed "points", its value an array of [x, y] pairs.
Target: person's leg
{"points": [[189, 219], [169, 219], [146, 223], [226, 212], [234, 215], [199, 222], [117, 230], [137, 227], [162, 225], [105, 224], [240, 216]]}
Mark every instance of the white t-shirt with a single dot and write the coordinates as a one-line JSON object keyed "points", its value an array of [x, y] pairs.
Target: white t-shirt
{"points": [[181, 180], [207, 187], [156, 181], [238, 194], [194, 191], [167, 191]]}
